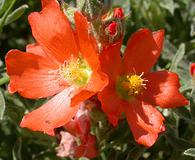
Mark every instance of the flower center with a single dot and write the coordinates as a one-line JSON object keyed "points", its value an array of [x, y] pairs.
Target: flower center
{"points": [[76, 72], [129, 86]]}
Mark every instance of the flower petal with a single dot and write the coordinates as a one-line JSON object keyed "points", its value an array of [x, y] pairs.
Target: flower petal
{"points": [[29, 75], [87, 44], [163, 90], [45, 2], [53, 32], [111, 104], [36, 49], [111, 60], [55, 113], [143, 49], [145, 122]]}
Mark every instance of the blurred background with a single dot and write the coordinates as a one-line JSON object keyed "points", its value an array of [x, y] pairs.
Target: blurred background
{"points": [[177, 17]]}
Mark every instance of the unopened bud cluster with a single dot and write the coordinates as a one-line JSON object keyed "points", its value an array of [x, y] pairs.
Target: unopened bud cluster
{"points": [[112, 26], [107, 24]]}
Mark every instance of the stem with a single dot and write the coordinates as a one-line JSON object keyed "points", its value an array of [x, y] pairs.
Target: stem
{"points": [[4, 80], [6, 14]]}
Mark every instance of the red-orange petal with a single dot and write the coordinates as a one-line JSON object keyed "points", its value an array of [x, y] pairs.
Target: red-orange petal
{"points": [[53, 32], [55, 113], [145, 121], [143, 49], [45, 2], [87, 45], [29, 75], [163, 90], [111, 104], [36, 49], [111, 60]]}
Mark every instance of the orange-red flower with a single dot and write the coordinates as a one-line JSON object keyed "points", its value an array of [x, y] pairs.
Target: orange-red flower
{"points": [[134, 90], [64, 63]]}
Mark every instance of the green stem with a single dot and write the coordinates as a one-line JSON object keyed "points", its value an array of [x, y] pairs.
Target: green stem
{"points": [[4, 80], [6, 14]]}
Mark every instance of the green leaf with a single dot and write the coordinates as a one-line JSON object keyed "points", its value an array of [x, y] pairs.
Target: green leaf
{"points": [[16, 14], [169, 5], [190, 152], [4, 4], [178, 57], [69, 11], [178, 143], [2, 106], [184, 114]]}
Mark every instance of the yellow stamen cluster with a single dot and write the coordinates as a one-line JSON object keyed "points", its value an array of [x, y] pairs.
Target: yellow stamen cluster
{"points": [[129, 86], [134, 84], [76, 72]]}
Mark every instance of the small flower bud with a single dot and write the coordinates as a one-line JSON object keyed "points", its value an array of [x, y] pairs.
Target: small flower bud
{"points": [[192, 69], [192, 73], [118, 13], [112, 28]]}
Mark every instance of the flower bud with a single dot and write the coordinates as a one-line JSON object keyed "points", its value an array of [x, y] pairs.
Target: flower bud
{"points": [[192, 73], [118, 13], [112, 28], [192, 69]]}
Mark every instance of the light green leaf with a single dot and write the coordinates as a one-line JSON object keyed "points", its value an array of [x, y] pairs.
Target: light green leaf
{"points": [[3, 6], [178, 57], [170, 5], [190, 152], [2, 106], [2, 3], [16, 14], [69, 11]]}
